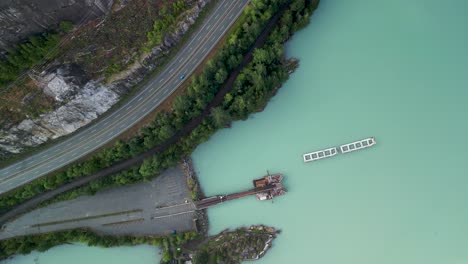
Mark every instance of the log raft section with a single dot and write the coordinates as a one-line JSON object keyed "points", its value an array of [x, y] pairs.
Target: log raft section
{"points": [[346, 148], [357, 145], [320, 154]]}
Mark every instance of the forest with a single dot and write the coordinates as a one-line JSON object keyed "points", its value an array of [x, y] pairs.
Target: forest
{"points": [[254, 86], [252, 89]]}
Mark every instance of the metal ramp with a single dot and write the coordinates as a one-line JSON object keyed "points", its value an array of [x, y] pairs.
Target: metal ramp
{"points": [[320, 154], [357, 145]]}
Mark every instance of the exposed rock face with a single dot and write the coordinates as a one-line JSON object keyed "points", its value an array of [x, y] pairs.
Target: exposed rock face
{"points": [[21, 18], [82, 100], [64, 82], [85, 102]]}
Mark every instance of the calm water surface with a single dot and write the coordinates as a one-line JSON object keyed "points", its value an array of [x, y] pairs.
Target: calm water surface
{"points": [[396, 70], [82, 254]]}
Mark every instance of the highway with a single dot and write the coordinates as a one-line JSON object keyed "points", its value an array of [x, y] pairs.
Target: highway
{"points": [[148, 98]]}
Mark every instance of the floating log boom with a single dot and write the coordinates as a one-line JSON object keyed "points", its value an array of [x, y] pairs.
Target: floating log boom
{"points": [[346, 148], [320, 154], [357, 145]]}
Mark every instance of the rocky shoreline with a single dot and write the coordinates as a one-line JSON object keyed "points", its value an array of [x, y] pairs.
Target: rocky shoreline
{"points": [[243, 244], [197, 194]]}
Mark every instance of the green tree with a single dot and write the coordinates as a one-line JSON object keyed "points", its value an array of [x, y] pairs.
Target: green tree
{"points": [[220, 117]]}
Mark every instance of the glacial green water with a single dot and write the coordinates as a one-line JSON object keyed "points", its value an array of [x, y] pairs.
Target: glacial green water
{"points": [[396, 70], [82, 254]]}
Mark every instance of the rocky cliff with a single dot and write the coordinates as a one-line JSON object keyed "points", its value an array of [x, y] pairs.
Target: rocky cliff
{"points": [[81, 99], [22, 18]]}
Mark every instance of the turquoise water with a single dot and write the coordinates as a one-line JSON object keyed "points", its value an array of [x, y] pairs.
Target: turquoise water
{"points": [[82, 254], [396, 70]]}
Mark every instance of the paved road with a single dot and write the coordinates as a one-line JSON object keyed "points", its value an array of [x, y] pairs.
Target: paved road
{"points": [[148, 208], [152, 95]]}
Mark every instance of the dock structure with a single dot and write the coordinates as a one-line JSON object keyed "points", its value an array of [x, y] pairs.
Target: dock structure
{"points": [[217, 199], [320, 154], [357, 145]]}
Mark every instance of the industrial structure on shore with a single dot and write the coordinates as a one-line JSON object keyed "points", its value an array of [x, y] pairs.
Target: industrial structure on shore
{"points": [[346, 148]]}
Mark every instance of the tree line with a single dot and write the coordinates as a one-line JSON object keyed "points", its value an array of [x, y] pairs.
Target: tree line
{"points": [[43, 242], [252, 90]]}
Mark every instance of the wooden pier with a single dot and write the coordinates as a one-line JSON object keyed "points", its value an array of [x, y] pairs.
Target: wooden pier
{"points": [[217, 199]]}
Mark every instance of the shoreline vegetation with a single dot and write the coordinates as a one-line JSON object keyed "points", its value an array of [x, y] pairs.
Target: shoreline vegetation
{"points": [[43, 242], [251, 91], [255, 84], [241, 244]]}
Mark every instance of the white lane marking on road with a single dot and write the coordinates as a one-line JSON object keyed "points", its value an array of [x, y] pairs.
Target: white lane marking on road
{"points": [[118, 115], [204, 49], [191, 48], [216, 16], [139, 99], [180, 60], [161, 80], [208, 27], [199, 37], [224, 26], [171, 70]]}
